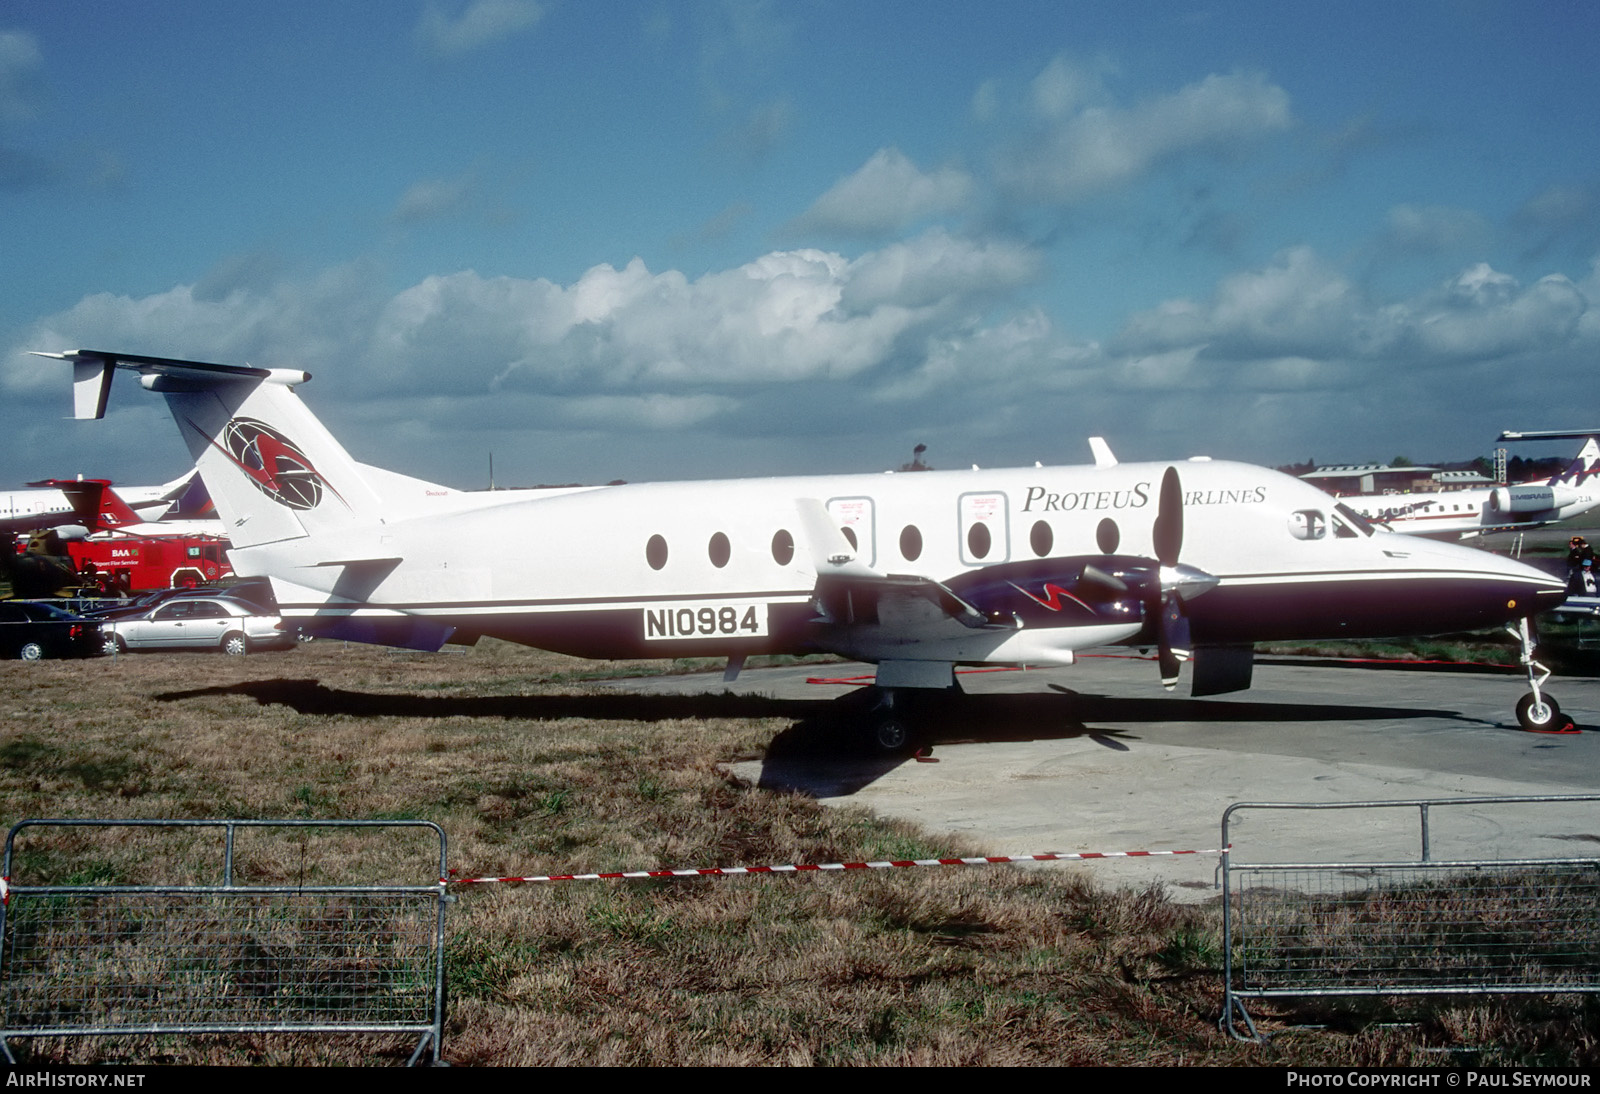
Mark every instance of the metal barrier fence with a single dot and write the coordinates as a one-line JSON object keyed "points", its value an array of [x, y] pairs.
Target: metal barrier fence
{"points": [[1414, 925], [105, 929]]}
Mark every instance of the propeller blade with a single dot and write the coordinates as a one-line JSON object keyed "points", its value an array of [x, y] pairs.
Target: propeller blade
{"points": [[1098, 580], [1168, 531], [1173, 648]]}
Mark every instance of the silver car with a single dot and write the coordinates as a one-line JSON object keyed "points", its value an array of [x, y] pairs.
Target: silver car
{"points": [[212, 623]]}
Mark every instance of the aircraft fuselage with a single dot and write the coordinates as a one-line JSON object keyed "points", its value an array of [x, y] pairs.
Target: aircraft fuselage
{"points": [[722, 568]]}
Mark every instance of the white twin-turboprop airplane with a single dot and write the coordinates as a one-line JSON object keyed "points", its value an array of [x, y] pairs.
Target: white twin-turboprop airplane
{"points": [[917, 573]]}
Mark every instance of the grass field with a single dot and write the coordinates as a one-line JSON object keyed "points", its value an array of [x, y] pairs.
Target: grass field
{"points": [[530, 770]]}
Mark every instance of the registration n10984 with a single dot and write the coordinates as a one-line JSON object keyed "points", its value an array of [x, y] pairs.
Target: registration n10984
{"points": [[707, 619]]}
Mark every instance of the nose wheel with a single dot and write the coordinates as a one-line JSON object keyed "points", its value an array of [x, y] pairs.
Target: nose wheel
{"points": [[1537, 712]]}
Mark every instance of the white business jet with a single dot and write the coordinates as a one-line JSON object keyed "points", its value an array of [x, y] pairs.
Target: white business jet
{"points": [[1461, 514], [916, 573]]}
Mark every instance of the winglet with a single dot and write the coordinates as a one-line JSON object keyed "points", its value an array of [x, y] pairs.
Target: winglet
{"points": [[1102, 452], [91, 383]]}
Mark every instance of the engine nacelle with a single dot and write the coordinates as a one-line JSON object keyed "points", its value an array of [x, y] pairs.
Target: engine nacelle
{"points": [[1522, 501]]}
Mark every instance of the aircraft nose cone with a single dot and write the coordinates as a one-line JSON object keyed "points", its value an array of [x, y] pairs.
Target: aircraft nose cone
{"points": [[1548, 595], [1530, 590]]}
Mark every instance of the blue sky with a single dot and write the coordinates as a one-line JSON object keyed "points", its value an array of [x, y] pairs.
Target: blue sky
{"points": [[690, 239]]}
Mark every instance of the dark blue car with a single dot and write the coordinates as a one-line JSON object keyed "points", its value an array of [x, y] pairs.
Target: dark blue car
{"points": [[33, 631]]}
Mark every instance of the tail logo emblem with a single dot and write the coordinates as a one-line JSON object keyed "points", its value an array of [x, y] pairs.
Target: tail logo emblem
{"points": [[271, 461]]}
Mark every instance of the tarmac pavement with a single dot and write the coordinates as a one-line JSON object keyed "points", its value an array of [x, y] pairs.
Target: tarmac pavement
{"points": [[1099, 758]]}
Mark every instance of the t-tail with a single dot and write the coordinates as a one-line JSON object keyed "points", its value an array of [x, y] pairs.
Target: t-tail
{"points": [[1582, 465], [273, 470]]}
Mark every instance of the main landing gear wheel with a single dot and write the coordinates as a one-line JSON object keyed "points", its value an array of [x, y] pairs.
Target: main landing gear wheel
{"points": [[890, 735], [895, 723]]}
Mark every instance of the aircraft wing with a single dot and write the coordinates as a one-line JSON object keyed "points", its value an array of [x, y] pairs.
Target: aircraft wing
{"points": [[850, 591]]}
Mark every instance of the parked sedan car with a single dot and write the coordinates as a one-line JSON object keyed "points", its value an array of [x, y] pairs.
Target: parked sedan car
{"points": [[192, 622], [33, 631], [255, 592]]}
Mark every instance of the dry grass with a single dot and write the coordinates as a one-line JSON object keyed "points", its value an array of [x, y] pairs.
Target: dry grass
{"points": [[530, 770]]}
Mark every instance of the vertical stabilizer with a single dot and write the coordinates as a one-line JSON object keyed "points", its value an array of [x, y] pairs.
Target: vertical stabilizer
{"points": [[272, 469], [95, 504], [1582, 465]]}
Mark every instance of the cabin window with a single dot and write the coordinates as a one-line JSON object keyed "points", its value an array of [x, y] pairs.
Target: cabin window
{"points": [[719, 550], [984, 522], [782, 547], [655, 552], [1108, 537], [910, 543], [850, 534], [1308, 524], [979, 540], [1041, 538]]}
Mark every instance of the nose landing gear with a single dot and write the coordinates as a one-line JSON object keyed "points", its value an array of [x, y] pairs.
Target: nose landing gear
{"points": [[1537, 712]]}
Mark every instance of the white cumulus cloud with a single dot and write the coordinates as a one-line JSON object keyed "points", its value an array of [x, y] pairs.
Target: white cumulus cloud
{"points": [[885, 195], [1085, 148]]}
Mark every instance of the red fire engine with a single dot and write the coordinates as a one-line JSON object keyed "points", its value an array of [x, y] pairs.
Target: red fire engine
{"points": [[134, 564]]}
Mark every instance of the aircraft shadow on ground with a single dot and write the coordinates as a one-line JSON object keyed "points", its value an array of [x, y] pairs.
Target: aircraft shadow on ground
{"points": [[825, 752]]}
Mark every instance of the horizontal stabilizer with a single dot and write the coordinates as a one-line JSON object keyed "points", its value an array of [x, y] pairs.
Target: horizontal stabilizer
{"points": [[92, 370], [1548, 435]]}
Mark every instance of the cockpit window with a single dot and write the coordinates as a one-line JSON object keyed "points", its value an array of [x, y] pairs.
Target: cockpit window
{"points": [[1361, 523], [1308, 524]]}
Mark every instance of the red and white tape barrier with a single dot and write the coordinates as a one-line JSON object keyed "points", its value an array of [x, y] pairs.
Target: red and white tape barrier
{"points": [[808, 867]]}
